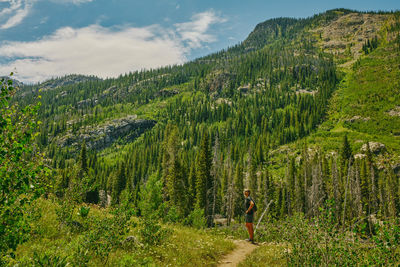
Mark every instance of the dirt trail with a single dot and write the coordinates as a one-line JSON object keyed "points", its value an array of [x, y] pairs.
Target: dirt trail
{"points": [[243, 249]]}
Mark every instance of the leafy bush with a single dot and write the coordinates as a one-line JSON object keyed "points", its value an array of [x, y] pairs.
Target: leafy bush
{"points": [[21, 168], [196, 219], [47, 259], [105, 235], [172, 215], [84, 211], [386, 251], [151, 204], [65, 213], [151, 232], [319, 241]]}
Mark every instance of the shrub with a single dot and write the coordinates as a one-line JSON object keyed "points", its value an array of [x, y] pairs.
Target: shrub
{"points": [[84, 211], [21, 168], [151, 232], [196, 219]]}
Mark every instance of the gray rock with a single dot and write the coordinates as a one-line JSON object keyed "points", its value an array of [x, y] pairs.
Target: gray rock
{"points": [[131, 241], [395, 112], [396, 168], [98, 138], [375, 147], [167, 93], [357, 118], [359, 156], [66, 80]]}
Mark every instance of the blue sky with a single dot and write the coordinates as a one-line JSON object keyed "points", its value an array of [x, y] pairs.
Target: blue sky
{"points": [[40, 39]]}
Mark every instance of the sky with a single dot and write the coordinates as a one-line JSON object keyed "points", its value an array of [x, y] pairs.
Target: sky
{"points": [[41, 39]]}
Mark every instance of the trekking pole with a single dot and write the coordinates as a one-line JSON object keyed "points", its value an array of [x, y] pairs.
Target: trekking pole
{"points": [[262, 215]]}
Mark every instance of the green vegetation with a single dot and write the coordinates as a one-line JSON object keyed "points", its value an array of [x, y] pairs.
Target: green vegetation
{"points": [[21, 169], [166, 152], [113, 238], [266, 255]]}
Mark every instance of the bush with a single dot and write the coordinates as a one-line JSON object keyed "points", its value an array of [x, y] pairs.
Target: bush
{"points": [[172, 215], [386, 250], [23, 176], [84, 211], [151, 232], [196, 219]]}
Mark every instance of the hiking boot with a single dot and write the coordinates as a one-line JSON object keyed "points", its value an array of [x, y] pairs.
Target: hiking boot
{"points": [[250, 240]]}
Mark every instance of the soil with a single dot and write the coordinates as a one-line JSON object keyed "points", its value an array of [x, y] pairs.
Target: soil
{"points": [[243, 248]]}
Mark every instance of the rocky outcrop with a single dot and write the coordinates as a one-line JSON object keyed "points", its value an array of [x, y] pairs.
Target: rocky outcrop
{"points": [[217, 81], [167, 93], [345, 35], [359, 156], [395, 112], [357, 118], [100, 137], [375, 147], [67, 80], [396, 168]]}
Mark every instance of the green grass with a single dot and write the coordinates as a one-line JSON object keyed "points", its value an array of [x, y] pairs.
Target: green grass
{"points": [[181, 246], [369, 90]]}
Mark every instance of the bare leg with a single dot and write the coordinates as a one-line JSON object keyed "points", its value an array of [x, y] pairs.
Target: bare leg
{"points": [[249, 227], [251, 231]]}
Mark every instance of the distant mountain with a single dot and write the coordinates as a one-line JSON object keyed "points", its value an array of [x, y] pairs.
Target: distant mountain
{"points": [[66, 80]]}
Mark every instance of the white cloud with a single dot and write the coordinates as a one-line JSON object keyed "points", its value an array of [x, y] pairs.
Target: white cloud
{"points": [[17, 10], [105, 52], [194, 32], [15, 13], [76, 2], [93, 50]]}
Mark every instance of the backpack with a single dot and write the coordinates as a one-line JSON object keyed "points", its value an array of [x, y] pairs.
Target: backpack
{"points": [[255, 206]]}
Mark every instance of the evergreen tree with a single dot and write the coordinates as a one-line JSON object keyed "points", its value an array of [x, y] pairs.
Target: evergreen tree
{"points": [[175, 184], [346, 152], [118, 183], [204, 182], [83, 159], [192, 187], [239, 188]]}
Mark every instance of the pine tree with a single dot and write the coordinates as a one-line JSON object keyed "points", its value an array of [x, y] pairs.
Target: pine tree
{"points": [[83, 159], [192, 187], [346, 151], [173, 173], [204, 182], [118, 183], [239, 188]]}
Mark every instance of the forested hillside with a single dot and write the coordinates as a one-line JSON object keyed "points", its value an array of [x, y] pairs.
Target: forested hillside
{"points": [[304, 112]]}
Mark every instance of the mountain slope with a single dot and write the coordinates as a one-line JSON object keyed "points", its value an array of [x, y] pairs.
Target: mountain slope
{"points": [[304, 112], [365, 105], [256, 102]]}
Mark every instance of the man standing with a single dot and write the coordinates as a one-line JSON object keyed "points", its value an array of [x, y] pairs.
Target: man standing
{"points": [[249, 216]]}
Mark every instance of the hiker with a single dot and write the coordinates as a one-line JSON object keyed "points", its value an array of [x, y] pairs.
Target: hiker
{"points": [[249, 216]]}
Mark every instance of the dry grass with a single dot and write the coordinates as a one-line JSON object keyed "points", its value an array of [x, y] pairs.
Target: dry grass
{"points": [[268, 254]]}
